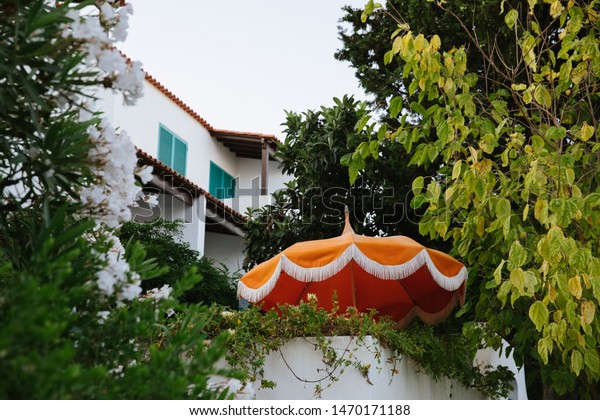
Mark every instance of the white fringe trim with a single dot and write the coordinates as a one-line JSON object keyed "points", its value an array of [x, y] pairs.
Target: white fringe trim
{"points": [[384, 272]]}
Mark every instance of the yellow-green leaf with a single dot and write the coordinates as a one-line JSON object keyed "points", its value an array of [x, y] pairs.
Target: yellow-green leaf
{"points": [[542, 96], [579, 73], [448, 195], [498, 272], [397, 45], [519, 86], [517, 256], [443, 131], [545, 347], [574, 287], [435, 42], [588, 311], [369, 7], [517, 278], [527, 97], [591, 360], [541, 210], [456, 169], [480, 226], [511, 18], [556, 9], [528, 50], [417, 185], [538, 313], [396, 105], [587, 131], [576, 362], [503, 292]]}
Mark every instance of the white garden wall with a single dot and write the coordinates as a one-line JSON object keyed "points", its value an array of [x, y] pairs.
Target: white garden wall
{"points": [[299, 358], [298, 368]]}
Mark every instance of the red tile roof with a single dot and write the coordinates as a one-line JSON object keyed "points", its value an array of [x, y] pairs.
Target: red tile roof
{"points": [[178, 101], [197, 117], [255, 136], [169, 94]]}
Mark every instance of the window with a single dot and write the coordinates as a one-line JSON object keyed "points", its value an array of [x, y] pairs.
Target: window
{"points": [[172, 151], [221, 184]]}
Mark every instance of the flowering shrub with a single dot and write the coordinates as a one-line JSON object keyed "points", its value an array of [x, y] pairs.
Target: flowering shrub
{"points": [[73, 322]]}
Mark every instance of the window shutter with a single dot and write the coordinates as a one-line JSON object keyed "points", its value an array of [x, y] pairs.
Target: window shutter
{"points": [[165, 147], [228, 185], [214, 182], [179, 156], [232, 189], [220, 184]]}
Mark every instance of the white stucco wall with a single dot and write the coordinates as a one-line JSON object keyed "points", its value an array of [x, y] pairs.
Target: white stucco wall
{"points": [[227, 249], [490, 357], [171, 208], [298, 368], [277, 179], [142, 123], [248, 193]]}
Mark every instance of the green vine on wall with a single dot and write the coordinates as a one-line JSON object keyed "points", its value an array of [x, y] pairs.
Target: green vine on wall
{"points": [[253, 335]]}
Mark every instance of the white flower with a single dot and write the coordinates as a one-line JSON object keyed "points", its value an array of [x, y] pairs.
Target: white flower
{"points": [[311, 297], [106, 282], [110, 60], [163, 293], [120, 29], [102, 316], [145, 174], [151, 200], [107, 10], [227, 314], [130, 291]]}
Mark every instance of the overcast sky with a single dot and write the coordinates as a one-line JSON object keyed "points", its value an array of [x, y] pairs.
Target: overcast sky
{"points": [[241, 63]]}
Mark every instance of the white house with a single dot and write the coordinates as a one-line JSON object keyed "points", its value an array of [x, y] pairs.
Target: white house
{"points": [[205, 176]]}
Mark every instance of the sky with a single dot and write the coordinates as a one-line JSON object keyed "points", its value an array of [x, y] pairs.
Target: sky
{"points": [[241, 63]]}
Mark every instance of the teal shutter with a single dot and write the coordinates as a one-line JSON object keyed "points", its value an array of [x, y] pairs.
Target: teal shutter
{"points": [[228, 185], [232, 190], [165, 147], [214, 181], [179, 156], [220, 183]]}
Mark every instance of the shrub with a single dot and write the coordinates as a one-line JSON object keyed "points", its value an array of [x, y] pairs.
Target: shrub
{"points": [[162, 241]]}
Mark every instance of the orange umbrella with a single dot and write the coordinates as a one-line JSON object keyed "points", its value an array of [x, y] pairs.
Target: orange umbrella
{"points": [[395, 275]]}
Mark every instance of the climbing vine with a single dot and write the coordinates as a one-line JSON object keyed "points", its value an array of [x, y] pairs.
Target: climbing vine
{"points": [[253, 334]]}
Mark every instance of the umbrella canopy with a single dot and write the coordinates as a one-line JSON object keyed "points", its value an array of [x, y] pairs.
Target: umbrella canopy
{"points": [[395, 275]]}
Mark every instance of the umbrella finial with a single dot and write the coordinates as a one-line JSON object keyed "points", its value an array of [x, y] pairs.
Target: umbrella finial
{"points": [[347, 226]]}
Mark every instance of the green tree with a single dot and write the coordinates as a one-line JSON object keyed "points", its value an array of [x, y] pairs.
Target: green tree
{"points": [[312, 206], [162, 242], [366, 41], [518, 193], [74, 325]]}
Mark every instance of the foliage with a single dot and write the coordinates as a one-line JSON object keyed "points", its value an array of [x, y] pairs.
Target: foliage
{"points": [[311, 207], [518, 192], [73, 325], [161, 241], [254, 334], [366, 41]]}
